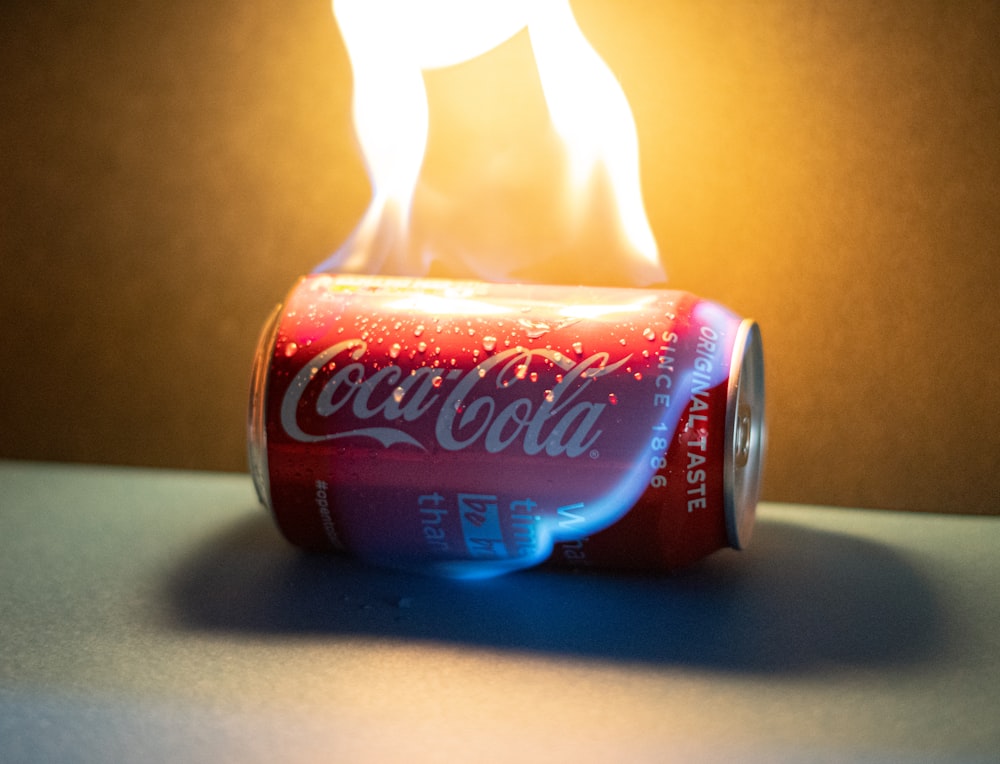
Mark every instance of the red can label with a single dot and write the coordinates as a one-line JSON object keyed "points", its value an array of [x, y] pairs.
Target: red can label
{"points": [[469, 428]]}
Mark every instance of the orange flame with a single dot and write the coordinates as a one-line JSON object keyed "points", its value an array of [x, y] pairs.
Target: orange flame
{"points": [[592, 227]]}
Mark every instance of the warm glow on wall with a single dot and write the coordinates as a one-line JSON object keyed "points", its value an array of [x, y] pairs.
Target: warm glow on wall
{"points": [[830, 169]]}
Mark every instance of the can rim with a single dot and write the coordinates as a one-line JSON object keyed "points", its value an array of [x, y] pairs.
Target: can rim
{"points": [[746, 434], [257, 409]]}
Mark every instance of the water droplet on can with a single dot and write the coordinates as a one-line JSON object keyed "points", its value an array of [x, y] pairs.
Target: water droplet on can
{"points": [[489, 343], [291, 349], [578, 347], [394, 350], [649, 334]]}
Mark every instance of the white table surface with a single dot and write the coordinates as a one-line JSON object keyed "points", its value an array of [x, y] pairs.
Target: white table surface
{"points": [[158, 616]]}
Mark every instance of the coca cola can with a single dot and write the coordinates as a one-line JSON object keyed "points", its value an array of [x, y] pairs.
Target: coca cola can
{"points": [[470, 429]]}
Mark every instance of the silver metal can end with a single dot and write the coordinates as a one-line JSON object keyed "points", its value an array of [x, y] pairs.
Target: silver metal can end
{"points": [[256, 411], [745, 434]]}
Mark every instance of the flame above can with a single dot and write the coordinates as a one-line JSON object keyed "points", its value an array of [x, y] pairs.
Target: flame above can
{"points": [[592, 183]]}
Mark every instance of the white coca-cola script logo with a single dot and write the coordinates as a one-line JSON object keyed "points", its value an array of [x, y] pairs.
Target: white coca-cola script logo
{"points": [[555, 421]]}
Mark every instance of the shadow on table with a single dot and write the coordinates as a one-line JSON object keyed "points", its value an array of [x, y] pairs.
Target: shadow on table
{"points": [[799, 599]]}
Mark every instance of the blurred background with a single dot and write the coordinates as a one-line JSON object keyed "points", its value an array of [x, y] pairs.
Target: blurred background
{"points": [[167, 170]]}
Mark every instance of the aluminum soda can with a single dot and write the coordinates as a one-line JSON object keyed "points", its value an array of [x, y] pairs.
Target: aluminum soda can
{"points": [[469, 429]]}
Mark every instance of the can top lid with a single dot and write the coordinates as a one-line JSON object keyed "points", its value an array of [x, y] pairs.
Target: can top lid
{"points": [[745, 434]]}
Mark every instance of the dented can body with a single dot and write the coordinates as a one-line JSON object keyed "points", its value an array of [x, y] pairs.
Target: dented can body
{"points": [[470, 429]]}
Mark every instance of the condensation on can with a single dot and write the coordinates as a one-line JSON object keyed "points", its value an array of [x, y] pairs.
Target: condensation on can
{"points": [[599, 465]]}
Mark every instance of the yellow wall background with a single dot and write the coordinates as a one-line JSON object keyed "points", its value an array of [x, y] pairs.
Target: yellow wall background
{"points": [[831, 168]]}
